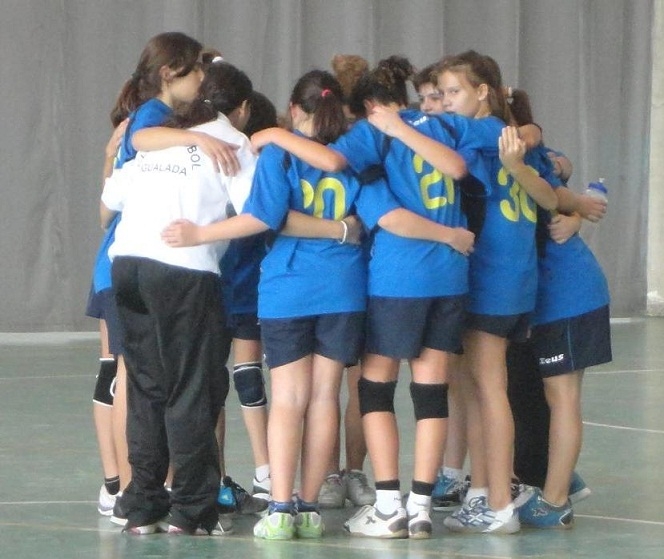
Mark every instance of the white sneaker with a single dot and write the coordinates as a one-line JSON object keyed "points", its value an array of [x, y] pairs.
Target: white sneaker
{"points": [[358, 490], [275, 526], [475, 516], [106, 502], [419, 525], [371, 523], [309, 525], [332, 493], [261, 490]]}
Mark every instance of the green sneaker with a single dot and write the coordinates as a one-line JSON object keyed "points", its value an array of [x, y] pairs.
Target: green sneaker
{"points": [[309, 525], [275, 526]]}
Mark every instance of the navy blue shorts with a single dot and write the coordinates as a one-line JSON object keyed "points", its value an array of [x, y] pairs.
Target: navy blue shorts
{"points": [[513, 327], [400, 327], [573, 344], [338, 336], [244, 326], [102, 305]]}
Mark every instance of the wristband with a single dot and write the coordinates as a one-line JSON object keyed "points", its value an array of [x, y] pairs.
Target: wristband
{"points": [[345, 233]]}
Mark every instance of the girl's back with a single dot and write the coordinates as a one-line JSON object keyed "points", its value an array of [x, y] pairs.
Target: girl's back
{"points": [[303, 276]]}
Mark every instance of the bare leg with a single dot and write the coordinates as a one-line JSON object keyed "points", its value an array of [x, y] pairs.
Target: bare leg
{"points": [[321, 425], [290, 390], [563, 394], [120, 424], [429, 368], [103, 419], [486, 355], [380, 428], [474, 435], [456, 443], [356, 447], [255, 419]]}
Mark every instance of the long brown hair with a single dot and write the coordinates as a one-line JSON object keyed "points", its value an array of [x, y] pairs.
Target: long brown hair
{"points": [[173, 49]]}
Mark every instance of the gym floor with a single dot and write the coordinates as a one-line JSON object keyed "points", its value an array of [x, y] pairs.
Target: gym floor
{"points": [[50, 473]]}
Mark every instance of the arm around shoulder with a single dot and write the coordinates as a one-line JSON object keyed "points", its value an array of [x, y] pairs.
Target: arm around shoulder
{"points": [[314, 153]]}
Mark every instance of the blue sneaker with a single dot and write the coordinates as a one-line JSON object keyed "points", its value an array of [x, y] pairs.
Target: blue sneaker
{"points": [[578, 490], [234, 498], [448, 493], [539, 513]]}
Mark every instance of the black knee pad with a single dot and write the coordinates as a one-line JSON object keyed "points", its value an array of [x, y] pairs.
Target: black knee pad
{"points": [[105, 387], [250, 386], [376, 396], [429, 400]]}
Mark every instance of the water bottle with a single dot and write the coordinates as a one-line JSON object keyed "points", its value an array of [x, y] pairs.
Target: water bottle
{"points": [[598, 190]]}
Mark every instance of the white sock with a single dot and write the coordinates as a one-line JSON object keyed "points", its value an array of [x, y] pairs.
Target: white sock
{"points": [[506, 513], [387, 502], [262, 475], [476, 492], [417, 503]]}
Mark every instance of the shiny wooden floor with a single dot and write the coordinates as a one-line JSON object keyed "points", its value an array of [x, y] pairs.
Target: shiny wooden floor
{"points": [[50, 472]]}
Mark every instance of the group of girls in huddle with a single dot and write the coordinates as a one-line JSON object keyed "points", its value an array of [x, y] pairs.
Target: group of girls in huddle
{"points": [[449, 207]]}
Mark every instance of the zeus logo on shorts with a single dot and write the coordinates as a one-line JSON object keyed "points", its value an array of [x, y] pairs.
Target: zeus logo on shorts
{"points": [[553, 359]]}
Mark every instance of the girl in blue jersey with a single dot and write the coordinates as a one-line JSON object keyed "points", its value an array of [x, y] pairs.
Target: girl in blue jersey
{"points": [[571, 331], [167, 73], [240, 272], [312, 299], [416, 287], [502, 286]]}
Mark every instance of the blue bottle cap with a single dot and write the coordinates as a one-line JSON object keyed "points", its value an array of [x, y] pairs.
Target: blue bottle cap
{"points": [[599, 186]]}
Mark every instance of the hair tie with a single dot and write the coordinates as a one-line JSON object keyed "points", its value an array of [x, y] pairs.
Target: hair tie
{"points": [[217, 59], [325, 93], [509, 95]]}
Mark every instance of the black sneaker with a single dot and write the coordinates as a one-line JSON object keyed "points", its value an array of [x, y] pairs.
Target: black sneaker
{"points": [[233, 497], [516, 488], [448, 493], [119, 516]]}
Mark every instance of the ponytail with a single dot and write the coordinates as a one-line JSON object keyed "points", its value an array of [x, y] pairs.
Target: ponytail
{"points": [[319, 94], [520, 108]]}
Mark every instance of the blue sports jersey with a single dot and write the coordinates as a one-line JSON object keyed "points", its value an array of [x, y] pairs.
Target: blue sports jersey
{"points": [[299, 276], [570, 280], [402, 267], [503, 266], [151, 113]]}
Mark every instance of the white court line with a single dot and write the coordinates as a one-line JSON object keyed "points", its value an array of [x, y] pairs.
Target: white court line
{"points": [[619, 519], [49, 377], [625, 371], [592, 516], [15, 503], [624, 428]]}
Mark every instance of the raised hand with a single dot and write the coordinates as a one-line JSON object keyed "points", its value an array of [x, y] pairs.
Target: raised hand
{"points": [[511, 148]]}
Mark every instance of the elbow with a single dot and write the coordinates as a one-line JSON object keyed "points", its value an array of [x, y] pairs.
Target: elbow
{"points": [[336, 163], [459, 171]]}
